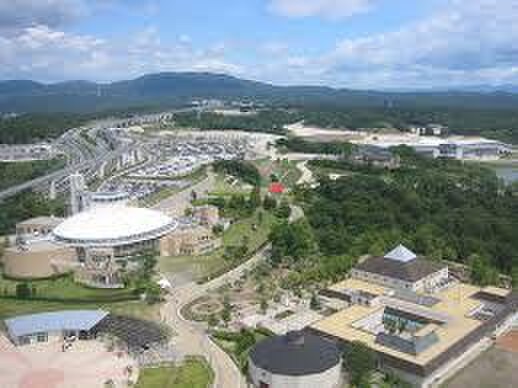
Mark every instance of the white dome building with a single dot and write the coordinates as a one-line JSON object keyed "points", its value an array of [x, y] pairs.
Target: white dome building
{"points": [[104, 237]]}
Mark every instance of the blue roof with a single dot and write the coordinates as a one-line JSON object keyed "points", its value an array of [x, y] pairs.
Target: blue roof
{"points": [[54, 321]]}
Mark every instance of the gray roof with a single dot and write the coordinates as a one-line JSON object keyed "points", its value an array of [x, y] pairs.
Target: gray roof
{"points": [[42, 220], [54, 321], [295, 354], [410, 271]]}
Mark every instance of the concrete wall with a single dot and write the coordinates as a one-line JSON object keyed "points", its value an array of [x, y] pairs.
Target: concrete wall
{"points": [[328, 379], [41, 263]]}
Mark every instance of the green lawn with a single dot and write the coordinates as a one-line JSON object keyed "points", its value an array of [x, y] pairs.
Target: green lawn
{"points": [[64, 288], [208, 266], [63, 294], [194, 373]]}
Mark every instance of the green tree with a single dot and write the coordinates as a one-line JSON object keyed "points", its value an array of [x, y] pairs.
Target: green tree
{"points": [[314, 303], [291, 240], [514, 276], [284, 210], [360, 361], [255, 198], [23, 291], [269, 203], [482, 273]]}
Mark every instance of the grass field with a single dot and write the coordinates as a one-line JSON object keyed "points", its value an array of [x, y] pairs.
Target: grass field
{"points": [[194, 373], [64, 288], [207, 266], [63, 294]]}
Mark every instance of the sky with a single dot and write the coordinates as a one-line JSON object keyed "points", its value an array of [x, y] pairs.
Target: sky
{"points": [[363, 44]]}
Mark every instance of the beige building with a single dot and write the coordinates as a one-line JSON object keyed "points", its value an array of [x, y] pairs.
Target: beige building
{"points": [[40, 259], [195, 241], [415, 318], [38, 226], [208, 215]]}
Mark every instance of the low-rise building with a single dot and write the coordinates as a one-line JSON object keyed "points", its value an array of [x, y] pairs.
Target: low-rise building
{"points": [[190, 241], [403, 269], [375, 156], [415, 318], [37, 259], [37, 227], [208, 215], [54, 326]]}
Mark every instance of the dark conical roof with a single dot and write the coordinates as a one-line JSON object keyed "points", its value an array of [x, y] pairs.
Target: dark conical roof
{"points": [[295, 354]]}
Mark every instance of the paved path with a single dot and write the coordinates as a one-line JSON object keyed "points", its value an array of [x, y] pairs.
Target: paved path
{"points": [[176, 204], [192, 338]]}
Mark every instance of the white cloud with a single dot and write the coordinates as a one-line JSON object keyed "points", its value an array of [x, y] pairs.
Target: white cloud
{"points": [[23, 13], [330, 9], [464, 43], [42, 53]]}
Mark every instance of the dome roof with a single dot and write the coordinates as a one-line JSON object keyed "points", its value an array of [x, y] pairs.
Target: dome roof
{"points": [[112, 226], [295, 354]]}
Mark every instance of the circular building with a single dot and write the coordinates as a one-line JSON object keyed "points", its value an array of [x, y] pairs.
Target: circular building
{"points": [[104, 237], [295, 360]]}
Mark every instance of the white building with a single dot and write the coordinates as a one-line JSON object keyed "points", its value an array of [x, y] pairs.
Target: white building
{"points": [[402, 269], [105, 236]]}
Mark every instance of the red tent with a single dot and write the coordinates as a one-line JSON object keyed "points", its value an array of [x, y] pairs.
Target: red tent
{"points": [[276, 188]]}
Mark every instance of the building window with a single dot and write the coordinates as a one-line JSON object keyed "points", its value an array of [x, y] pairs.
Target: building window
{"points": [[42, 337], [24, 340]]}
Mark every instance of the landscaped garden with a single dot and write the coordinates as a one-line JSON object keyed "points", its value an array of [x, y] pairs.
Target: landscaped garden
{"points": [[238, 345]]}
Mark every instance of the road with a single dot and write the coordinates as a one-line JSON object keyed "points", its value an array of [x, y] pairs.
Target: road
{"points": [[58, 175], [175, 205], [192, 337]]}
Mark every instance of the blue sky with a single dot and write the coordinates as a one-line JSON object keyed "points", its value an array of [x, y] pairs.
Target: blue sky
{"points": [[343, 43]]}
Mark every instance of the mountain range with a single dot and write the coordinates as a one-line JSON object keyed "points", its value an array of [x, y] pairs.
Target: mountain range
{"points": [[167, 90]]}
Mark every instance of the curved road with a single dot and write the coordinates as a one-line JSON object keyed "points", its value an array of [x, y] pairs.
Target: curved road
{"points": [[192, 337]]}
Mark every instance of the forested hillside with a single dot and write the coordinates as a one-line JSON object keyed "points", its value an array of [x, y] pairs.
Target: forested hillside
{"points": [[31, 128], [439, 208]]}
